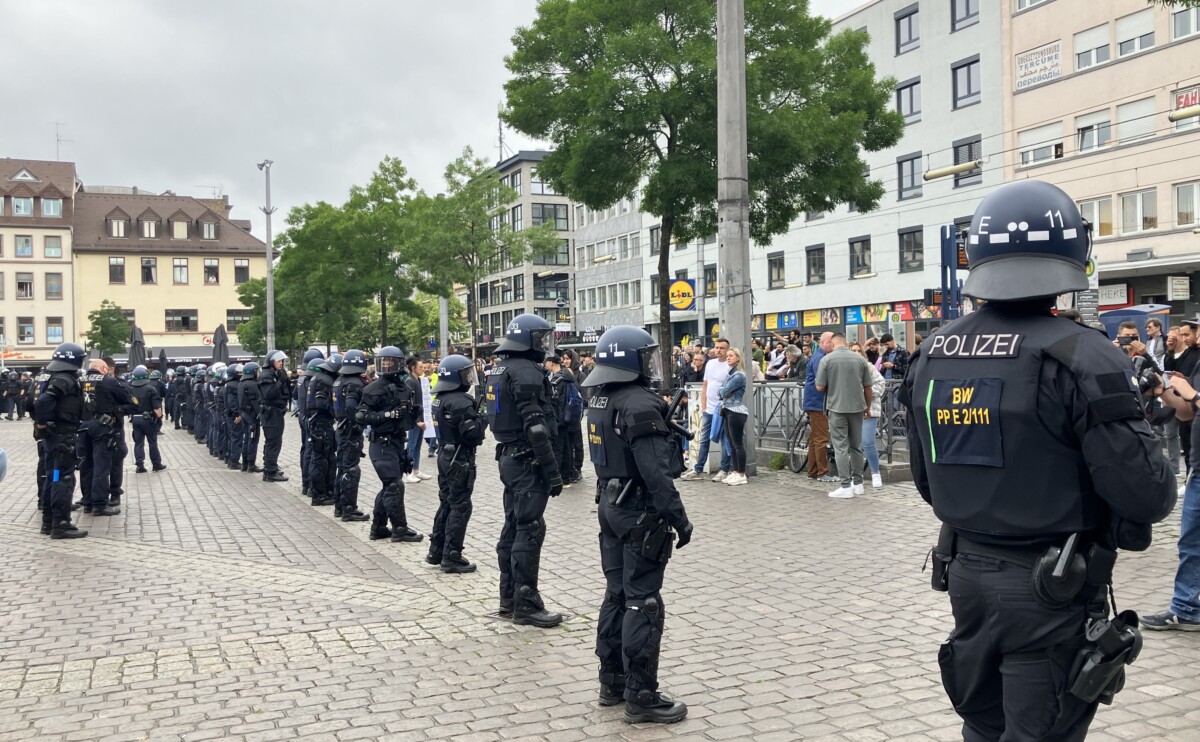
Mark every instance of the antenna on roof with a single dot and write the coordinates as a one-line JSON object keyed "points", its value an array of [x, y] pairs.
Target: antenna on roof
{"points": [[58, 140], [217, 190], [500, 126]]}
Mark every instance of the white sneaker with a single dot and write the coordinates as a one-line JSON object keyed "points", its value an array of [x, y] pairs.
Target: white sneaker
{"points": [[733, 479], [691, 475], [842, 492], [876, 481], [423, 475], [411, 478], [857, 488], [720, 476]]}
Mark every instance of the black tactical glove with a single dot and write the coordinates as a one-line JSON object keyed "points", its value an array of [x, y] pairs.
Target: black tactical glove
{"points": [[406, 465], [685, 535], [1130, 535], [554, 485]]}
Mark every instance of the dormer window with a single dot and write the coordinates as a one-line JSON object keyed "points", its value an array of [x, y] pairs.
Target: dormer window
{"points": [[22, 206], [52, 207], [149, 228], [208, 230], [116, 227], [179, 230], [25, 175]]}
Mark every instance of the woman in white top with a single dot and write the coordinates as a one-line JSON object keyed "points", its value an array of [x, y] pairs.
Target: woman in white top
{"points": [[871, 423]]}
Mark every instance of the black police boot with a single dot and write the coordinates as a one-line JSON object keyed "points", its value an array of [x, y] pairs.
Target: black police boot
{"points": [[99, 511], [253, 469], [337, 510], [178, 426], [114, 500], [76, 505], [506, 608], [159, 467], [611, 695], [305, 491], [407, 535], [652, 706], [433, 557], [140, 469], [276, 476], [66, 530], [454, 564], [354, 516], [245, 466], [379, 531], [46, 528], [528, 610], [87, 509], [317, 502]]}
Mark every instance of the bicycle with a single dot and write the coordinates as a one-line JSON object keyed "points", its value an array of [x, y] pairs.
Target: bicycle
{"points": [[798, 444]]}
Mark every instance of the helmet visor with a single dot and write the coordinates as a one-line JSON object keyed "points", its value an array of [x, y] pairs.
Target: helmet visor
{"points": [[540, 340], [651, 362], [388, 365], [468, 376]]}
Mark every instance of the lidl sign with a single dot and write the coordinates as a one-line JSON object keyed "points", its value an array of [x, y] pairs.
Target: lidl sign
{"points": [[682, 294]]}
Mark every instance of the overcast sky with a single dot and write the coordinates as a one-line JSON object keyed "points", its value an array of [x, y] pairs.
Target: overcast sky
{"points": [[189, 96]]}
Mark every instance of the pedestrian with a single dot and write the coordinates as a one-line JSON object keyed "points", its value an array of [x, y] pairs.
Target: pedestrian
{"points": [[814, 406], [517, 395], [347, 396], [57, 416], [576, 403], [893, 360], [418, 389], [715, 373], [1003, 393], [871, 419], [274, 391], [309, 364], [636, 459], [250, 409], [557, 417], [428, 381], [847, 383], [388, 406], [1183, 362], [322, 442], [733, 410], [460, 430], [147, 421]]}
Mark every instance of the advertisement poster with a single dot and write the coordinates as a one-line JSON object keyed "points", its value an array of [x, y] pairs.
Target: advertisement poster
{"points": [[1039, 65], [831, 316], [874, 312], [788, 321], [812, 318], [854, 315]]}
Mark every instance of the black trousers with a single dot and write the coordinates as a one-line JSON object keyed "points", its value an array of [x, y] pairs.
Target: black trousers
{"points": [[519, 550], [454, 504], [349, 470], [575, 435], [43, 492], [60, 478], [563, 454], [630, 626], [996, 666], [305, 458], [100, 446], [237, 438], [272, 431], [145, 432], [323, 445], [250, 433], [390, 459]]}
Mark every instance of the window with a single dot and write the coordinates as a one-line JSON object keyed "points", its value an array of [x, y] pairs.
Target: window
{"points": [[1185, 22], [25, 330], [681, 274], [635, 245], [775, 279], [514, 182], [208, 230], [1098, 213], [1135, 32], [860, 257], [636, 288], [710, 279], [212, 270], [1139, 211], [912, 249], [54, 286], [550, 315], [966, 13], [516, 220], [179, 271], [24, 285], [623, 251], [241, 270], [579, 255], [812, 216], [52, 247], [149, 228], [908, 30], [24, 243], [235, 317], [179, 230], [624, 294], [908, 100], [484, 295], [562, 256], [910, 178], [1092, 131], [1023, 4], [537, 186], [1091, 47], [116, 227], [181, 320], [22, 206], [655, 240], [54, 330], [968, 150], [654, 293], [581, 300], [814, 258], [149, 270], [549, 288], [52, 207], [1187, 203], [518, 288], [967, 82], [1, 295], [1042, 143], [589, 253], [130, 317], [116, 270], [1135, 120], [553, 214], [580, 216], [1187, 99], [602, 295], [612, 295]]}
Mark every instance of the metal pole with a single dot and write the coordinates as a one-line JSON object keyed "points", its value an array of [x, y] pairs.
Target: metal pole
{"points": [[444, 325], [265, 166], [701, 318], [733, 196]]}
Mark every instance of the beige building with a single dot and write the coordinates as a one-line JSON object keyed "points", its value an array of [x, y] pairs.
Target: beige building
{"points": [[1090, 84], [171, 262], [37, 201]]}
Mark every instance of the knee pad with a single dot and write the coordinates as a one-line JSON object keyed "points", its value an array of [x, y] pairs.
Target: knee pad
{"points": [[538, 530], [651, 608]]}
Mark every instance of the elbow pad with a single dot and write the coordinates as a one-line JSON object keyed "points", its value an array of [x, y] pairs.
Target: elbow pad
{"points": [[539, 439], [470, 431]]}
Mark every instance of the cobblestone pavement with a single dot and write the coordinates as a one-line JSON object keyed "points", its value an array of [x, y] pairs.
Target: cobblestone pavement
{"points": [[217, 606]]}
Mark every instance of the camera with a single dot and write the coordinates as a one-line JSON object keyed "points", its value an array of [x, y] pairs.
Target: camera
{"points": [[1125, 340]]}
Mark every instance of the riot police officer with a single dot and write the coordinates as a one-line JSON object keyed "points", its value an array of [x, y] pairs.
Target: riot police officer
{"points": [[199, 408], [347, 396], [249, 404], [636, 457], [518, 393], [1028, 439], [147, 419], [313, 358], [104, 401], [179, 390], [460, 430], [216, 416], [25, 400], [233, 416], [43, 492], [321, 438], [57, 415], [387, 406], [274, 389]]}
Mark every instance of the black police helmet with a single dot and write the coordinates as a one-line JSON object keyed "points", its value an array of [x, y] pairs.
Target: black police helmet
{"points": [[275, 355], [354, 363], [310, 355], [67, 357], [234, 371], [389, 361], [181, 370], [624, 354], [526, 332], [141, 372], [454, 372], [155, 375], [332, 363], [1027, 240], [250, 370]]}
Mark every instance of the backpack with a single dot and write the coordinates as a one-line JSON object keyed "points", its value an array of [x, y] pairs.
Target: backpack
{"points": [[573, 409]]}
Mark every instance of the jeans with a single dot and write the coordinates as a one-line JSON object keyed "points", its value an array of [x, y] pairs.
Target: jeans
{"points": [[702, 457], [1169, 432], [414, 446], [735, 435], [870, 428], [1186, 602]]}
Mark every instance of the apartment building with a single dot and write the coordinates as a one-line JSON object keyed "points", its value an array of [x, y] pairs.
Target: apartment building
{"points": [[37, 204]]}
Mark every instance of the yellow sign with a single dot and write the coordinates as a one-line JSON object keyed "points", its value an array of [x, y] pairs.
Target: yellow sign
{"points": [[682, 294], [812, 318]]}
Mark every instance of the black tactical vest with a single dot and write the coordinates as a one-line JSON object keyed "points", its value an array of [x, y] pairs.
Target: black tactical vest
{"points": [[320, 397], [96, 399], [69, 408], [504, 415], [145, 392], [609, 452]]}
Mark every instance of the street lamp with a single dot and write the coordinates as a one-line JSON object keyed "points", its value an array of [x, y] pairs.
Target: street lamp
{"points": [[265, 166]]}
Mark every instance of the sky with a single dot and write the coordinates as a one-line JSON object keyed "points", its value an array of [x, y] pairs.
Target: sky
{"points": [[188, 96]]}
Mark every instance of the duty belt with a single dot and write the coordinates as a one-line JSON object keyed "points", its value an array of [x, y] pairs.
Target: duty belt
{"points": [[1024, 556], [516, 450]]}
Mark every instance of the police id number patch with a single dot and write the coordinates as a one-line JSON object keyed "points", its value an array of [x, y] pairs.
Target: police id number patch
{"points": [[596, 444], [964, 421]]}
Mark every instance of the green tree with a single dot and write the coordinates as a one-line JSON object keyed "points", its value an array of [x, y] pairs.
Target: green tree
{"points": [[418, 326], [363, 334], [1176, 3], [109, 330], [626, 91]]}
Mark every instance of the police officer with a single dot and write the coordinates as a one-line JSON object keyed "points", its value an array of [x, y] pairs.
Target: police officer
{"points": [[1028, 439], [233, 416], [43, 492], [25, 400], [518, 393], [57, 415], [636, 457], [12, 393], [274, 389], [321, 439], [249, 405], [104, 400], [460, 430], [347, 396], [179, 389], [216, 416], [388, 407], [199, 408], [147, 419], [307, 369]]}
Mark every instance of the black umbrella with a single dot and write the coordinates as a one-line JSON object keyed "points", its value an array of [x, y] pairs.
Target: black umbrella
{"points": [[162, 360], [220, 345], [137, 348]]}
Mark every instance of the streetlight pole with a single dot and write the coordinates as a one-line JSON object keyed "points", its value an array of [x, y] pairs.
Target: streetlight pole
{"points": [[265, 166]]}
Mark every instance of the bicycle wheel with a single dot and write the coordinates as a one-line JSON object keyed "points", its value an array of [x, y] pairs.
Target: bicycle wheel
{"points": [[798, 446]]}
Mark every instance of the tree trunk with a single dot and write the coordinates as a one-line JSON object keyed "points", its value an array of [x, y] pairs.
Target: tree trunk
{"points": [[665, 340], [383, 323]]}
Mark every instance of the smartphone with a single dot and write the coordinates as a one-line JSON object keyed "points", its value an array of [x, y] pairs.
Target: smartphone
{"points": [[1124, 340]]}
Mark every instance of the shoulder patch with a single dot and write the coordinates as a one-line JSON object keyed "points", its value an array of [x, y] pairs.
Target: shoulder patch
{"points": [[497, 371], [598, 403]]}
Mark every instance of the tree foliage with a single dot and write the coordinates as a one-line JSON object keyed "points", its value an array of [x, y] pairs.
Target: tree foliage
{"points": [[1174, 4], [418, 327], [627, 93], [109, 329]]}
